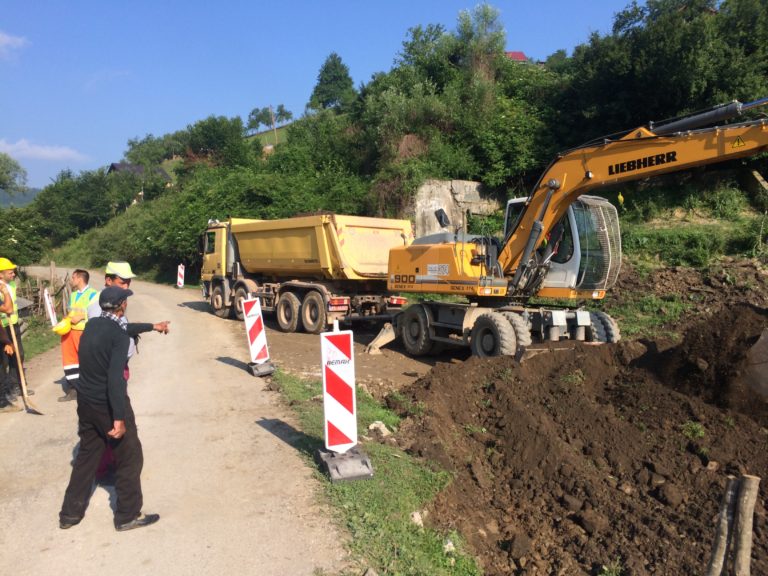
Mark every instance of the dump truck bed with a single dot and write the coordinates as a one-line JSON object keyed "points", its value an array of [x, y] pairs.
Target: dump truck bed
{"points": [[327, 246]]}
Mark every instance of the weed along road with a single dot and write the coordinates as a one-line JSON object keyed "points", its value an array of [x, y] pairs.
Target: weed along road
{"points": [[234, 497]]}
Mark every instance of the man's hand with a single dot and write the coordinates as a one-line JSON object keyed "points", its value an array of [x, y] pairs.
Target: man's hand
{"points": [[8, 349], [76, 317], [162, 327], [118, 429]]}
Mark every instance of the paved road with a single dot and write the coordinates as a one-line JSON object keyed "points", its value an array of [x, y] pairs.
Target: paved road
{"points": [[234, 497]]}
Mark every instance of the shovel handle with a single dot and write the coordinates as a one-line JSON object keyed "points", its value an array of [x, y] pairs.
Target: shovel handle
{"points": [[22, 378]]}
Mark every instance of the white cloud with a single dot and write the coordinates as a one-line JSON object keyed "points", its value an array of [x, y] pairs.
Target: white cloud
{"points": [[8, 44], [25, 149]]}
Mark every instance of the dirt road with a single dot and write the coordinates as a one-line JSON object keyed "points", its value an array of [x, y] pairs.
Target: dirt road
{"points": [[233, 495]]}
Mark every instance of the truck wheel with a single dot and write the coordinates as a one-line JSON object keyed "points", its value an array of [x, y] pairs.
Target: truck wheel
{"points": [[415, 331], [240, 294], [313, 314], [603, 328], [217, 303], [287, 312], [492, 335], [519, 325]]}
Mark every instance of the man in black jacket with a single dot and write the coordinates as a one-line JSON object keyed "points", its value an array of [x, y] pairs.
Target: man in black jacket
{"points": [[105, 417]]}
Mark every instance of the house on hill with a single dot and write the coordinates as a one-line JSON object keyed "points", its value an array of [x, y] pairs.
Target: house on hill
{"points": [[517, 56]]}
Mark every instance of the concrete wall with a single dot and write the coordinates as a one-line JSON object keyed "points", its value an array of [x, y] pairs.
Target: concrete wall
{"points": [[456, 197]]}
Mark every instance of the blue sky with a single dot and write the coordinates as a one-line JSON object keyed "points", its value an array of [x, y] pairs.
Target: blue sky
{"points": [[80, 77]]}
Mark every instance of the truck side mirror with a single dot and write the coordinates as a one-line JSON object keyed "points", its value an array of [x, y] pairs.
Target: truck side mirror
{"points": [[442, 218]]}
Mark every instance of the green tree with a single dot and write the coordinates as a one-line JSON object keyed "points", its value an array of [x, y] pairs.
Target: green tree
{"points": [[13, 178], [334, 88], [259, 117], [220, 141]]}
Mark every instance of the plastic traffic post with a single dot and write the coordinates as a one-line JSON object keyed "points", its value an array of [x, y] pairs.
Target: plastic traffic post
{"points": [[180, 276], [49, 307], [341, 459], [260, 364]]}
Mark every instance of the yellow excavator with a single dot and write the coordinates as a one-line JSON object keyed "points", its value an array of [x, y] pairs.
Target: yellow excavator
{"points": [[558, 242]]}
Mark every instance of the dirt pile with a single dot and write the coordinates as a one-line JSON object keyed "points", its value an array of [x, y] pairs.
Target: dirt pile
{"points": [[595, 454]]}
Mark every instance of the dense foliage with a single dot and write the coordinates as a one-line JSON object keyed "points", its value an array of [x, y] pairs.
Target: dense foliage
{"points": [[453, 106]]}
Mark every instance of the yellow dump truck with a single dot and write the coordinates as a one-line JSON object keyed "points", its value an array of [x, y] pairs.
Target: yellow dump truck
{"points": [[309, 270]]}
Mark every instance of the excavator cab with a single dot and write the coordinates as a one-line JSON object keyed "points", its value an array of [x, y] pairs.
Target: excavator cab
{"points": [[583, 251]]}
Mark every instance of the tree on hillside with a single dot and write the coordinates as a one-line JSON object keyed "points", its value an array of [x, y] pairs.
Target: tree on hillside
{"points": [[152, 151], [334, 88], [267, 117], [220, 141], [13, 178]]}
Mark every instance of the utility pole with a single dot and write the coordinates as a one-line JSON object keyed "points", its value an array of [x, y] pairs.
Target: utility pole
{"points": [[274, 128]]}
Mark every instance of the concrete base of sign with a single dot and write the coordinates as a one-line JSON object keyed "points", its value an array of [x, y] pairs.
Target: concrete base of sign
{"points": [[352, 465], [261, 370]]}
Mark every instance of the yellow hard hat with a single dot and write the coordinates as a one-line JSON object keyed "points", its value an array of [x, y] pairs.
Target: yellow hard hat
{"points": [[63, 327], [6, 264], [120, 269]]}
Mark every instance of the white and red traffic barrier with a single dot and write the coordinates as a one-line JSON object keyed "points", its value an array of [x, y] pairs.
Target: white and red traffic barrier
{"points": [[257, 338], [180, 276], [339, 398]]}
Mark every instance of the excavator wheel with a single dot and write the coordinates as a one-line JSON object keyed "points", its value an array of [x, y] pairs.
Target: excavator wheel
{"points": [[415, 331], [492, 335], [240, 294], [287, 312], [313, 314], [603, 328], [520, 326], [217, 303]]}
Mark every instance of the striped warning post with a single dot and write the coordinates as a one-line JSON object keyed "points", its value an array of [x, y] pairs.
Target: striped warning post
{"points": [[254, 329], [339, 398], [180, 276]]}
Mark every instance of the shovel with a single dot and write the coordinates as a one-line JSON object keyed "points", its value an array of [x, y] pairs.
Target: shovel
{"points": [[27, 404]]}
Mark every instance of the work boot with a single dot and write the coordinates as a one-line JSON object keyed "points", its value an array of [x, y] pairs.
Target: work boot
{"points": [[17, 391], [140, 522], [71, 394]]}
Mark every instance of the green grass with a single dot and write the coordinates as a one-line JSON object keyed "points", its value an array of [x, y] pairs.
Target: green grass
{"points": [[644, 316], [377, 512], [38, 338]]}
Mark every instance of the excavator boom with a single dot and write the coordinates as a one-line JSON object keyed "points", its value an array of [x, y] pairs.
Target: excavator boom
{"points": [[641, 153]]}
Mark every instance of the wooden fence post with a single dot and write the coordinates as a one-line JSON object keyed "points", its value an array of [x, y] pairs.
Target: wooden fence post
{"points": [[723, 532], [745, 512]]}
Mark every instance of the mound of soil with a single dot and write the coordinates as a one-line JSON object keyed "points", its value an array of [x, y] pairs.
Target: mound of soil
{"points": [[581, 457]]}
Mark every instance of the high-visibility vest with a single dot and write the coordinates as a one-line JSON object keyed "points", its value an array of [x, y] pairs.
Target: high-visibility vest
{"points": [[15, 314], [79, 302]]}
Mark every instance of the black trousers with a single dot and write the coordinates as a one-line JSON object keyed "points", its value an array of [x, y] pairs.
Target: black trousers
{"points": [[93, 424], [10, 374]]}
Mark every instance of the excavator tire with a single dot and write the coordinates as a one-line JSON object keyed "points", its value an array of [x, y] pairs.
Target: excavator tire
{"points": [[287, 312], [519, 325], [313, 314], [217, 303], [492, 335], [415, 331], [240, 294], [602, 329]]}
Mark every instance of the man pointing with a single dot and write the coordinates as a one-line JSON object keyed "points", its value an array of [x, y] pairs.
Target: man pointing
{"points": [[105, 417]]}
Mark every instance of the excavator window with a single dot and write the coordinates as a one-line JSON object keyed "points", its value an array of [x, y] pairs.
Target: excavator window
{"points": [[210, 242]]}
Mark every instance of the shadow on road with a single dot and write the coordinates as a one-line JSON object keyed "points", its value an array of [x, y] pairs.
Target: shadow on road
{"points": [[288, 434], [197, 306], [234, 362]]}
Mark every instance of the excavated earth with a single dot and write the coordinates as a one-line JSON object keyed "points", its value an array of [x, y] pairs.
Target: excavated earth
{"points": [[591, 455]]}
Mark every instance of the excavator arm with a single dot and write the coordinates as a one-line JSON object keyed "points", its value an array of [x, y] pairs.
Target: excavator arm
{"points": [[641, 153]]}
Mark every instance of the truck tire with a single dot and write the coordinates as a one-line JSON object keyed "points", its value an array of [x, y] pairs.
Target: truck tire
{"points": [[415, 331], [313, 313], [237, 304], [520, 326], [287, 312], [492, 335], [602, 329], [217, 303]]}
